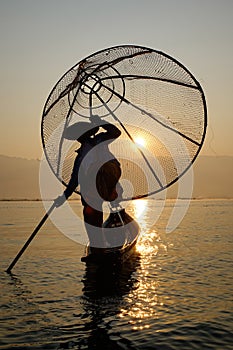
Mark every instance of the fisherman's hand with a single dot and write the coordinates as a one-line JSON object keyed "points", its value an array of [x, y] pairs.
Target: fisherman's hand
{"points": [[95, 119], [60, 200]]}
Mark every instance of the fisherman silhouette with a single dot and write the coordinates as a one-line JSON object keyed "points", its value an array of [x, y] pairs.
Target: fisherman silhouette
{"points": [[105, 186]]}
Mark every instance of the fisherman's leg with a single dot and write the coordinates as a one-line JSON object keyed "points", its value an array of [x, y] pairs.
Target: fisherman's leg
{"points": [[93, 220], [92, 216]]}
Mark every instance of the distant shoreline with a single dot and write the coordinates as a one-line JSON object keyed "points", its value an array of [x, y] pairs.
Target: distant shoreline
{"points": [[213, 178]]}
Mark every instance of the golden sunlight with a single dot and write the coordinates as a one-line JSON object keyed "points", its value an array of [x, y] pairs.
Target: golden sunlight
{"points": [[140, 141], [140, 205]]}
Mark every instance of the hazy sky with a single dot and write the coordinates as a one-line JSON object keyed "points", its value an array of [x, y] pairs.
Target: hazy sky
{"points": [[41, 40]]}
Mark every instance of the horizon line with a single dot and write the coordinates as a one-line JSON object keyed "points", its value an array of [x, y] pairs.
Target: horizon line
{"points": [[39, 159]]}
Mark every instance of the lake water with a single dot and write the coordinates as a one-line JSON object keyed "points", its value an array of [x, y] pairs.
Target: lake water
{"points": [[175, 293]]}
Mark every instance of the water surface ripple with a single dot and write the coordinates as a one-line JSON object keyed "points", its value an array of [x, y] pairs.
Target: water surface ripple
{"points": [[175, 293]]}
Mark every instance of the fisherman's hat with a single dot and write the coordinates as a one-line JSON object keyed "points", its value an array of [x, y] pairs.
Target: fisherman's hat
{"points": [[80, 129]]}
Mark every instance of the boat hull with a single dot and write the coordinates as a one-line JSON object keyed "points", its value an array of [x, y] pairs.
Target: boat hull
{"points": [[128, 230]]}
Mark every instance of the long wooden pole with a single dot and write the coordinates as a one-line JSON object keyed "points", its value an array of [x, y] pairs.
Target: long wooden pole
{"points": [[30, 238]]}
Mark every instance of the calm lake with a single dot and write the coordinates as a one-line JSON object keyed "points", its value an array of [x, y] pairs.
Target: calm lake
{"points": [[175, 293]]}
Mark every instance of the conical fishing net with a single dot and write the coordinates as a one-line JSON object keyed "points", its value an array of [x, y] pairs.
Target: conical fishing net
{"points": [[155, 102]]}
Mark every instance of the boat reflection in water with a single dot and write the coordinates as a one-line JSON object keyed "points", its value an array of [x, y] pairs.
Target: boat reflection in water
{"points": [[105, 288], [113, 276], [109, 270], [108, 293]]}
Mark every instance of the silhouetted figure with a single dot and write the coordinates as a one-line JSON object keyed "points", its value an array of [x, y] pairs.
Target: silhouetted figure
{"points": [[93, 158]]}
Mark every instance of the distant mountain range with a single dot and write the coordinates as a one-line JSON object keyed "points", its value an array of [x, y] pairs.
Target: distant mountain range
{"points": [[213, 178]]}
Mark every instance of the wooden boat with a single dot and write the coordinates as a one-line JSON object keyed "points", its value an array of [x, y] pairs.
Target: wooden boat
{"points": [[127, 233]]}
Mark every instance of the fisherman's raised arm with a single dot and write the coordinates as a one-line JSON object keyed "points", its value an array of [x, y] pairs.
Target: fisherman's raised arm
{"points": [[112, 132]]}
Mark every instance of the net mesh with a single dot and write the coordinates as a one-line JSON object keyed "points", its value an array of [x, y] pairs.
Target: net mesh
{"points": [[154, 100]]}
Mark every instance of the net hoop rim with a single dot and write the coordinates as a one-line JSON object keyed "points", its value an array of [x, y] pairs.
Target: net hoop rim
{"points": [[198, 86]]}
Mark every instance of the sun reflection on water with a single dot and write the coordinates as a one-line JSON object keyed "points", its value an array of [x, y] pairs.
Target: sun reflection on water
{"points": [[139, 208], [142, 313]]}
